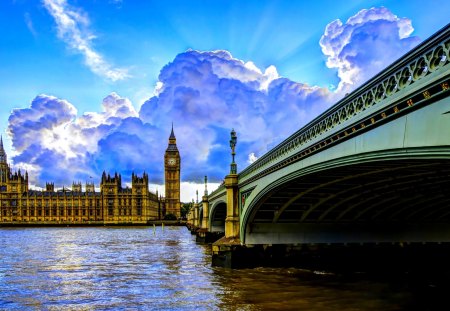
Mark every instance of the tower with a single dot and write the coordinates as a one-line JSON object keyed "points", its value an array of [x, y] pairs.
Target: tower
{"points": [[4, 168], [12, 182], [172, 165]]}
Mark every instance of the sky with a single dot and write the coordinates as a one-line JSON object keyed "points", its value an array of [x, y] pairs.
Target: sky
{"points": [[88, 86]]}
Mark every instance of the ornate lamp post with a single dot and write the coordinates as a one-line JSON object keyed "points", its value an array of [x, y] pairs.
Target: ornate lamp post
{"points": [[233, 141]]}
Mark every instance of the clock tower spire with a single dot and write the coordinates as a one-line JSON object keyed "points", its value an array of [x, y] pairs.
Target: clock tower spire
{"points": [[172, 166]]}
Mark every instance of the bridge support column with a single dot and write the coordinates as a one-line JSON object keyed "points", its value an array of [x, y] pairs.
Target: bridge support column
{"points": [[232, 219], [228, 251], [189, 222], [195, 218], [203, 234], [197, 215], [205, 204]]}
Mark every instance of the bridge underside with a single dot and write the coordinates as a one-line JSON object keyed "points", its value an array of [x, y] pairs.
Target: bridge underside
{"points": [[383, 201], [218, 215]]}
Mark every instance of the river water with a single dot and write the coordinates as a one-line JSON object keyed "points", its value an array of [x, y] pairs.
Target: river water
{"points": [[139, 268]]}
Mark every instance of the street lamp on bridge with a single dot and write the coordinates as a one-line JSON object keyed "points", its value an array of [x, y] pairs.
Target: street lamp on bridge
{"points": [[233, 141]]}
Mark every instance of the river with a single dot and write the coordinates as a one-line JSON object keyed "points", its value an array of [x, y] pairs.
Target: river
{"points": [[139, 268]]}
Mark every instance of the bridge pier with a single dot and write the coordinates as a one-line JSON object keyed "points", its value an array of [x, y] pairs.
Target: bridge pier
{"points": [[370, 257], [203, 234], [206, 237], [193, 218], [228, 251], [232, 220]]}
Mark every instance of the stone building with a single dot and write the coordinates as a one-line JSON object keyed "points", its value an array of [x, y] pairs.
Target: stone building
{"points": [[113, 204]]}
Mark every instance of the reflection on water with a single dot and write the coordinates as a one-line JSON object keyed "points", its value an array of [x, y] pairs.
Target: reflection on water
{"points": [[133, 268]]}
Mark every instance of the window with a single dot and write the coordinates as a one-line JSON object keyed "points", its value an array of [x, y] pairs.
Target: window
{"points": [[110, 207]]}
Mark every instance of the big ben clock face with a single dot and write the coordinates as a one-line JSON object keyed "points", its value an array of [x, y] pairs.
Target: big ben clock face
{"points": [[171, 161]]}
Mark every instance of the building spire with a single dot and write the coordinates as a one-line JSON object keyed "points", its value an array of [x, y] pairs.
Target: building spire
{"points": [[172, 134], [172, 141], [3, 158]]}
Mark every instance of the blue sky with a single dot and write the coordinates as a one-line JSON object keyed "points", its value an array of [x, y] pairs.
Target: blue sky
{"points": [[96, 84]]}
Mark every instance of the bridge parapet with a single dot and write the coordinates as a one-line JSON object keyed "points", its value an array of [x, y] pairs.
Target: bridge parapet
{"points": [[373, 102], [217, 193]]}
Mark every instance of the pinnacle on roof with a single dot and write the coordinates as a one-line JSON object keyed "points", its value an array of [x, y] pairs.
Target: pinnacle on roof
{"points": [[172, 135], [2, 150]]}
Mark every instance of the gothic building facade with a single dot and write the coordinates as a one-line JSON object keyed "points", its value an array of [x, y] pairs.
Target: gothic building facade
{"points": [[113, 204]]}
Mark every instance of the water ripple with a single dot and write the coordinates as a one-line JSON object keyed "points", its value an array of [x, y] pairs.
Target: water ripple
{"points": [[133, 268]]}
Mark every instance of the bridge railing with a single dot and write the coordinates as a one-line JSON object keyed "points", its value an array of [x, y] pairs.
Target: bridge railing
{"points": [[430, 56]]}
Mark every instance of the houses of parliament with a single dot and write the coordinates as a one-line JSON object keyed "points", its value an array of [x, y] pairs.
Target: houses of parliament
{"points": [[113, 204]]}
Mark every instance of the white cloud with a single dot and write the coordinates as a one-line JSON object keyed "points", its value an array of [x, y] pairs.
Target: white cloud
{"points": [[29, 23], [73, 28], [252, 158], [368, 42], [206, 94], [212, 92], [51, 140], [189, 190]]}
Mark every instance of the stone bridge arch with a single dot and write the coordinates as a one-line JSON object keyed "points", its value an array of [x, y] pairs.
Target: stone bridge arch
{"points": [[401, 196], [218, 214]]}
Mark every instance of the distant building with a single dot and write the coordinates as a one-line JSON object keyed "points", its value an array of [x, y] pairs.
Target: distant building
{"points": [[172, 167], [112, 205]]}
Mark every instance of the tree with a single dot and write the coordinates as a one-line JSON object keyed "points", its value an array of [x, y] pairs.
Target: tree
{"points": [[185, 207], [170, 216]]}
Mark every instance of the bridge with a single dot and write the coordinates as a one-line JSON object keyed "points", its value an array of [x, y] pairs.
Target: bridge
{"points": [[374, 168]]}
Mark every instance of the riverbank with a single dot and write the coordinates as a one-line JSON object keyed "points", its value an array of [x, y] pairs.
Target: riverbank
{"points": [[92, 224]]}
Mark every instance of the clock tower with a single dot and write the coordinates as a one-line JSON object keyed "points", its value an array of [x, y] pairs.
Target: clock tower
{"points": [[172, 165]]}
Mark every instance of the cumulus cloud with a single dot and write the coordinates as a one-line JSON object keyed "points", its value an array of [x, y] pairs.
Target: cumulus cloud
{"points": [[73, 28], [365, 44], [212, 92], [205, 94], [55, 143]]}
